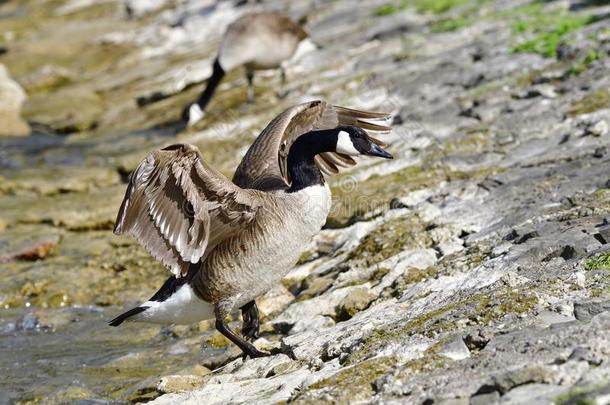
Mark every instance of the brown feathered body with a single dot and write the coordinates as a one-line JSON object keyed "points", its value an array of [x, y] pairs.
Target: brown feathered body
{"points": [[253, 260], [260, 41]]}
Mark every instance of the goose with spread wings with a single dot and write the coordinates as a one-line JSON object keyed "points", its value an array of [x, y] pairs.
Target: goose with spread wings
{"points": [[226, 243]]}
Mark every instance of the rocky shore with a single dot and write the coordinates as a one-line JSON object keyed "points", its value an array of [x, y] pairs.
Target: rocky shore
{"points": [[472, 269]]}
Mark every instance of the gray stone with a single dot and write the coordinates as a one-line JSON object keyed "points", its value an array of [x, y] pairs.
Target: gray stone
{"points": [[356, 301], [452, 401], [534, 394], [139, 8], [178, 383], [585, 310], [548, 318], [455, 349], [599, 128], [488, 398], [317, 322], [259, 390]]}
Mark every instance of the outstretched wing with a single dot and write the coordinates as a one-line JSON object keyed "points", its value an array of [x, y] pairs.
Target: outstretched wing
{"points": [[179, 208], [264, 167]]}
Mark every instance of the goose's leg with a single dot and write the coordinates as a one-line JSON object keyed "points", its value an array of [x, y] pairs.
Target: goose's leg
{"points": [[250, 78], [283, 92], [222, 327], [251, 325]]}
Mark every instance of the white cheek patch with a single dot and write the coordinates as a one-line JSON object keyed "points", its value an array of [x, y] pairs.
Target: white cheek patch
{"points": [[345, 145]]}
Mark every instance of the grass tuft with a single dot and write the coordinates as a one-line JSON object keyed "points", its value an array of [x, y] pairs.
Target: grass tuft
{"points": [[599, 262], [593, 101], [545, 29], [585, 63]]}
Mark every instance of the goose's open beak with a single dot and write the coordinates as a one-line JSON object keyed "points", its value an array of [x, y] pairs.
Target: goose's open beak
{"points": [[377, 151]]}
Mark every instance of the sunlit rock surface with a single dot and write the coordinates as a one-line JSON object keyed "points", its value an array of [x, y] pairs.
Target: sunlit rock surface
{"points": [[474, 268]]}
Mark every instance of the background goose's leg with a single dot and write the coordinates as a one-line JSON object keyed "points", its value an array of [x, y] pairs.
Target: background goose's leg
{"points": [[222, 327], [251, 325], [250, 78], [283, 92]]}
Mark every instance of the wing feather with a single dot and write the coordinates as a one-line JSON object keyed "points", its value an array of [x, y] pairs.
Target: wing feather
{"points": [[178, 208], [264, 167]]}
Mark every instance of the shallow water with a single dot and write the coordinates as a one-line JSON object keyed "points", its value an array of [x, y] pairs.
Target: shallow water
{"points": [[81, 356], [55, 343]]}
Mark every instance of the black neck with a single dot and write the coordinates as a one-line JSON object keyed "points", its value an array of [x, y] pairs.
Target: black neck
{"points": [[213, 81], [301, 166]]}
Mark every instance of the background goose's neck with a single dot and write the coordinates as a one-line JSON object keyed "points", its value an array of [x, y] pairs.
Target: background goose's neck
{"points": [[301, 166], [217, 75]]}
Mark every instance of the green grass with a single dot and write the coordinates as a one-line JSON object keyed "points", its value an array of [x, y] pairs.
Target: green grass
{"points": [[599, 262], [451, 24], [545, 29], [423, 6], [387, 9], [585, 62], [391, 8], [437, 6]]}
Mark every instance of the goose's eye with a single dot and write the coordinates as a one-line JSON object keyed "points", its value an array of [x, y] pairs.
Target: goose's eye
{"points": [[356, 136]]}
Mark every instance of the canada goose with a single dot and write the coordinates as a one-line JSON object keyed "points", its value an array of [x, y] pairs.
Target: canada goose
{"points": [[227, 243], [256, 41]]}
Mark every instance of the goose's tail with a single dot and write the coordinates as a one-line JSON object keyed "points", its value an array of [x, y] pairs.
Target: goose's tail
{"points": [[175, 302], [119, 319]]}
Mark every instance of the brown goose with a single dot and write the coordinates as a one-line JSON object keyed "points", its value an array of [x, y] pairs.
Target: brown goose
{"points": [[227, 243], [256, 41]]}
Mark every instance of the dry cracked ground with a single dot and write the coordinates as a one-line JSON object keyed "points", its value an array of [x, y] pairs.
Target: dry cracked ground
{"points": [[472, 269]]}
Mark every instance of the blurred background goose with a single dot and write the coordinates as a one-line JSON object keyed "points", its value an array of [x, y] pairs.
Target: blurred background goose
{"points": [[225, 242], [257, 41]]}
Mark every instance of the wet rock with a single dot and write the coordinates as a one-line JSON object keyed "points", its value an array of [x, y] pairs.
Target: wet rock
{"points": [[18, 248], [177, 349], [74, 6], [75, 109], [78, 212], [12, 98], [38, 250], [47, 77], [27, 322], [71, 394], [144, 391]]}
